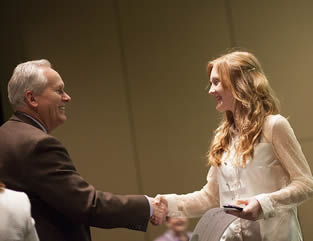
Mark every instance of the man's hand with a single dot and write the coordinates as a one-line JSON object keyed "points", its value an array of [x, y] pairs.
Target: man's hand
{"points": [[160, 210]]}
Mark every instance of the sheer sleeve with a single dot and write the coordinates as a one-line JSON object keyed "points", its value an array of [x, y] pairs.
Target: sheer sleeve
{"points": [[196, 203], [292, 159]]}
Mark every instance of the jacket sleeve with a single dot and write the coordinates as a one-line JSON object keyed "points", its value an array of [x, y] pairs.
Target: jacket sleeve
{"points": [[55, 180]]}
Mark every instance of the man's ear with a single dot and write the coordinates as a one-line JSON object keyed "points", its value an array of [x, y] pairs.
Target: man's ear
{"points": [[30, 99]]}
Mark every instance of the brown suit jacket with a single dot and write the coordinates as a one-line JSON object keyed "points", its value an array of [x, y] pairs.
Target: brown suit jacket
{"points": [[64, 205]]}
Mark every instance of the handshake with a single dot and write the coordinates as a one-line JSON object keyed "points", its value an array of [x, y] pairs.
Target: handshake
{"points": [[160, 210]]}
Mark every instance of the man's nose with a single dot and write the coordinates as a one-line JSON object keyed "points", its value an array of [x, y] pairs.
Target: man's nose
{"points": [[66, 97]]}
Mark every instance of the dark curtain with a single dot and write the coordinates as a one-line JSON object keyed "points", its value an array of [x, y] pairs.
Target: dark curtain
{"points": [[12, 19], [1, 111]]}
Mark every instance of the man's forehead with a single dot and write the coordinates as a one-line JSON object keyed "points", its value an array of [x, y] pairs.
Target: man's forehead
{"points": [[49, 72], [53, 77]]}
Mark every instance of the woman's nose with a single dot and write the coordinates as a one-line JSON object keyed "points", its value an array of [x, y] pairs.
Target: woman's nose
{"points": [[211, 90]]}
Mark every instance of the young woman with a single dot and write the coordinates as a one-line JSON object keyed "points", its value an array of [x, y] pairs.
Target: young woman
{"points": [[256, 160]]}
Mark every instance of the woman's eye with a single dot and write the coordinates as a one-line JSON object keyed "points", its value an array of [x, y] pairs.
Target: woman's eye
{"points": [[216, 82]]}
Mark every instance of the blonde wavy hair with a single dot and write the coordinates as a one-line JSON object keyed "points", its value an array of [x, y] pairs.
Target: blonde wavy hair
{"points": [[242, 73]]}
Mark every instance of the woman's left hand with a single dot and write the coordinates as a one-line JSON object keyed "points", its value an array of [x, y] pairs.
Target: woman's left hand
{"points": [[252, 210]]}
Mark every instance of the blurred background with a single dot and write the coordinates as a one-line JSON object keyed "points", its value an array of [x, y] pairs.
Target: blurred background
{"points": [[140, 120]]}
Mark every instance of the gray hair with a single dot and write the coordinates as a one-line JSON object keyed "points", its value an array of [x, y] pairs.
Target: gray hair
{"points": [[27, 76]]}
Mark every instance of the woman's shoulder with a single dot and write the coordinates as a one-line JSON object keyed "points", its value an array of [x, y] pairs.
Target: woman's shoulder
{"points": [[15, 216], [15, 194], [274, 118], [272, 122], [16, 200]]}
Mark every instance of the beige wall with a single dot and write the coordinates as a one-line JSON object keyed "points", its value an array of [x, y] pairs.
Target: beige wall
{"points": [[140, 119]]}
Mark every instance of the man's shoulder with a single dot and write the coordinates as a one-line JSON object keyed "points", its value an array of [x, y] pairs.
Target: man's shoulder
{"points": [[21, 127], [18, 124], [19, 132]]}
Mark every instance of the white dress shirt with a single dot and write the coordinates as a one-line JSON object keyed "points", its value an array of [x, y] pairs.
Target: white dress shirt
{"points": [[16, 223]]}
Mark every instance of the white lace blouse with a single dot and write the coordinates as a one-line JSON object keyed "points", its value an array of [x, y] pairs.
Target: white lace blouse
{"points": [[278, 176]]}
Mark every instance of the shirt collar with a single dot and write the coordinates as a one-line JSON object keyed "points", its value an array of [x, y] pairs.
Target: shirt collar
{"points": [[36, 121]]}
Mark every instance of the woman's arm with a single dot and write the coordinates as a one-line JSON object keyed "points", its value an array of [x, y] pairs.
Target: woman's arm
{"points": [[291, 157], [196, 203]]}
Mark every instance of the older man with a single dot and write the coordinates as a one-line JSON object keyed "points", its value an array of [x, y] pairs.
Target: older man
{"points": [[64, 205]]}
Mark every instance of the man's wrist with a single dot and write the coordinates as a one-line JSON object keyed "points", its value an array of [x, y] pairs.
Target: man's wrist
{"points": [[150, 204]]}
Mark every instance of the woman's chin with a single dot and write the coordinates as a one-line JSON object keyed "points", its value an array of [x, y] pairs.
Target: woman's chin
{"points": [[220, 109]]}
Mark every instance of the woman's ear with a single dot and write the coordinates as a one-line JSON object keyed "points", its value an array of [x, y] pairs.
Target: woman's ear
{"points": [[30, 99]]}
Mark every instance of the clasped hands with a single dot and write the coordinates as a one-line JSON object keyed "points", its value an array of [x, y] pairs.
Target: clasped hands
{"points": [[160, 210]]}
